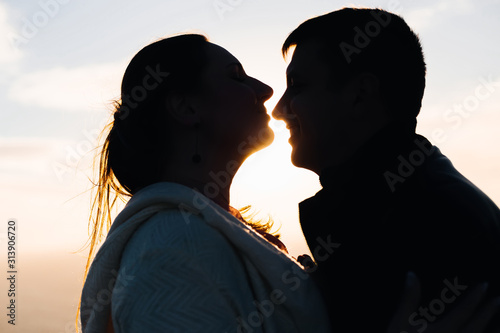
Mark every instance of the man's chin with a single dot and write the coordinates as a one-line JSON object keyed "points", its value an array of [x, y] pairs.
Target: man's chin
{"points": [[301, 160], [295, 156]]}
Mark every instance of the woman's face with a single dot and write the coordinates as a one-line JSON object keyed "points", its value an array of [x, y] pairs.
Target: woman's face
{"points": [[231, 105]]}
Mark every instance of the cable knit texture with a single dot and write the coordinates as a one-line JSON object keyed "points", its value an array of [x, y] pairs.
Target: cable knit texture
{"points": [[175, 261]]}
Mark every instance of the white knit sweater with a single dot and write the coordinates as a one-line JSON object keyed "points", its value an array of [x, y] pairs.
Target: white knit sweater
{"points": [[174, 261]]}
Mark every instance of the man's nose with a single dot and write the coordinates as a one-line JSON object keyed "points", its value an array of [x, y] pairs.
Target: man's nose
{"points": [[279, 110]]}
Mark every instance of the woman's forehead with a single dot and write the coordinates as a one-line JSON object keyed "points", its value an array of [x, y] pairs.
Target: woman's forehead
{"points": [[220, 56]]}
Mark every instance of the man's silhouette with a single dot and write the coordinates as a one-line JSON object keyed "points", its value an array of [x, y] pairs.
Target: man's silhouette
{"points": [[391, 201]]}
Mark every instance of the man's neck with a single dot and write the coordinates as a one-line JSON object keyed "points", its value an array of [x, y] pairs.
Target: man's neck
{"points": [[371, 157]]}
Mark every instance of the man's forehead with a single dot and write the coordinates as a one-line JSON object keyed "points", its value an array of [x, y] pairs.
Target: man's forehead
{"points": [[305, 56]]}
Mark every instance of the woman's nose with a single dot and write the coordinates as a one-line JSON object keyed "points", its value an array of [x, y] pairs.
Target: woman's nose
{"points": [[264, 92]]}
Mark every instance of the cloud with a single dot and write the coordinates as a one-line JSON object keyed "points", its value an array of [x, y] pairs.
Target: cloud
{"points": [[27, 157], [53, 161], [9, 53], [52, 213], [84, 88], [423, 18]]}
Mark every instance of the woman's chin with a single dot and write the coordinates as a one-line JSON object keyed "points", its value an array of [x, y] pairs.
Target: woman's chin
{"points": [[265, 138], [262, 140]]}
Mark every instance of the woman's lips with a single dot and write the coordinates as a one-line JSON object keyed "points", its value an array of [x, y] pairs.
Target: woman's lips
{"points": [[262, 110]]}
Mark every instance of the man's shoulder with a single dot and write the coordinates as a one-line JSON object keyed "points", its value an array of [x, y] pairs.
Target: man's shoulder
{"points": [[442, 180], [449, 195]]}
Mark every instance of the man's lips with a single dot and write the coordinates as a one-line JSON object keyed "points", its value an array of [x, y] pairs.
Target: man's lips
{"points": [[294, 128], [291, 122]]}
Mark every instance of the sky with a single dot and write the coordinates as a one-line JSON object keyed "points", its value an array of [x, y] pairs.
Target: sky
{"points": [[61, 64], [62, 61]]}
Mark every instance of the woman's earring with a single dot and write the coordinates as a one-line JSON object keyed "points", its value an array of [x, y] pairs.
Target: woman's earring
{"points": [[196, 157]]}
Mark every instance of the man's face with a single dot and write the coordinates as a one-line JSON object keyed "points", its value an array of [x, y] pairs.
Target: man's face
{"points": [[318, 115]]}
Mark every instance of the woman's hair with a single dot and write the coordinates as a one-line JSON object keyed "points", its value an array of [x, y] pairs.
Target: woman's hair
{"points": [[130, 157]]}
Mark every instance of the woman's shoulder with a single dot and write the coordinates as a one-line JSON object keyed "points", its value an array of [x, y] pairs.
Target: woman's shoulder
{"points": [[174, 229], [184, 269]]}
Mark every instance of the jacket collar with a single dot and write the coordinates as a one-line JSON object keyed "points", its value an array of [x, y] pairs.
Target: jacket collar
{"points": [[371, 160]]}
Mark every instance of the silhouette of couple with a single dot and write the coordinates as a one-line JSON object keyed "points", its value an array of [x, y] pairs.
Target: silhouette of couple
{"points": [[401, 240]]}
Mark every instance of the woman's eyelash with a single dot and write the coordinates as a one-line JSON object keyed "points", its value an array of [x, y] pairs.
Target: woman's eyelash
{"points": [[240, 77]]}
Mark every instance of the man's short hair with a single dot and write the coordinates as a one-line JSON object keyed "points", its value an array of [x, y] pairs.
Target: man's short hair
{"points": [[357, 40]]}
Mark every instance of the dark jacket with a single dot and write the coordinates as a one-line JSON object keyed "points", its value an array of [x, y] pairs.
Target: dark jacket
{"points": [[399, 205]]}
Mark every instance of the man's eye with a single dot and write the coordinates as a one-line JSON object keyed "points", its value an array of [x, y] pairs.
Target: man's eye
{"points": [[294, 85]]}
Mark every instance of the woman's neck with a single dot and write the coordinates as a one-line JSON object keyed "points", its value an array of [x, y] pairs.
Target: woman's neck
{"points": [[215, 186], [211, 176]]}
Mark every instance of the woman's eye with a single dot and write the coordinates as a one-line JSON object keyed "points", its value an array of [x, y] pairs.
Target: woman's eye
{"points": [[239, 76]]}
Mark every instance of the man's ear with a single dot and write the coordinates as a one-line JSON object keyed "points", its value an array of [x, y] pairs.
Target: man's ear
{"points": [[179, 106], [367, 95]]}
